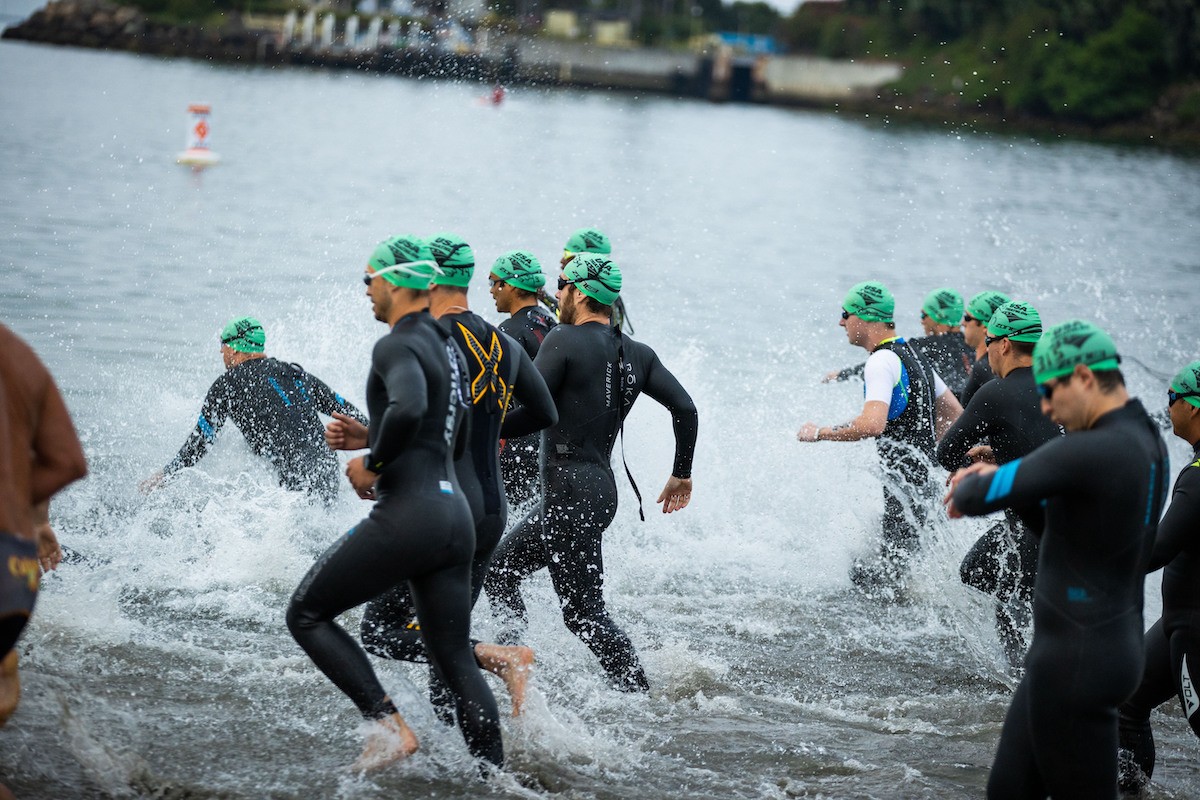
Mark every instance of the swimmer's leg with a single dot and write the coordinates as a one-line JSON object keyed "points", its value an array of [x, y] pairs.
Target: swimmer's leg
{"points": [[350, 573], [10, 687], [1014, 771], [577, 572], [443, 603], [1134, 735]]}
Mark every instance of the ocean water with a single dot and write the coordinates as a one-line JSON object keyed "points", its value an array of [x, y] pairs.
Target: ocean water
{"points": [[158, 664]]}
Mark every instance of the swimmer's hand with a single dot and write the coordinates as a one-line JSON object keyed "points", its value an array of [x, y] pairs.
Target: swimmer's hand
{"points": [[345, 433], [361, 478], [982, 453], [50, 554], [832, 377], [808, 433], [676, 495], [978, 468], [150, 484]]}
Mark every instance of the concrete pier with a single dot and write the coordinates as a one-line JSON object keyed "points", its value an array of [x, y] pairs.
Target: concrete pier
{"points": [[330, 42]]}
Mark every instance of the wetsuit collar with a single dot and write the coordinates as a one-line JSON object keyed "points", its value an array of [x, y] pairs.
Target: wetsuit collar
{"points": [[1132, 408]]}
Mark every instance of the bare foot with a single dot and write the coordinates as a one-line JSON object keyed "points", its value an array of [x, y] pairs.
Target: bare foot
{"points": [[512, 665], [10, 687], [388, 740]]}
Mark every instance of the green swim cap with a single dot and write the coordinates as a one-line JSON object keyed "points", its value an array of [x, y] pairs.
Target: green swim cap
{"points": [[455, 258], [1020, 322], [984, 304], [944, 306], [245, 335], [870, 301], [588, 240], [520, 268], [1069, 343], [1186, 384], [405, 261], [596, 276]]}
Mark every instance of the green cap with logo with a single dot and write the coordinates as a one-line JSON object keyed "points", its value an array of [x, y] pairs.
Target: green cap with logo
{"points": [[454, 256], [1186, 384], [596, 276], [944, 306], [1019, 322], [588, 240], [521, 269], [983, 305], [870, 301], [1070, 343], [405, 261], [245, 335]]}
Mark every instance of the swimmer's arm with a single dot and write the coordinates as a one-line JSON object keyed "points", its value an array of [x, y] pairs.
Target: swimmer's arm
{"points": [[329, 402], [1178, 529], [969, 429], [1054, 468], [212, 417], [867, 425], [663, 387], [537, 409], [404, 380], [551, 362], [844, 374], [58, 456], [946, 410]]}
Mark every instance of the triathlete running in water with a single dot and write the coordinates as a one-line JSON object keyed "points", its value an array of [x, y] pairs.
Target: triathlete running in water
{"points": [[516, 279], [1003, 422], [1095, 496], [907, 408], [497, 371], [420, 528], [275, 405], [979, 311], [595, 374], [942, 347], [1172, 645], [591, 240]]}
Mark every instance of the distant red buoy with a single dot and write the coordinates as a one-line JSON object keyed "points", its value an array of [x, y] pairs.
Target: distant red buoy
{"points": [[198, 155]]}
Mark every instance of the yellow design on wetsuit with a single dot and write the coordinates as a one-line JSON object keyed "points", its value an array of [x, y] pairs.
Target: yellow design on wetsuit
{"points": [[487, 381]]}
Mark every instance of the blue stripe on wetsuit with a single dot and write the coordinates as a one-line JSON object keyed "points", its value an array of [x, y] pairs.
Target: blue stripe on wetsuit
{"points": [[1002, 482], [206, 429], [286, 400]]}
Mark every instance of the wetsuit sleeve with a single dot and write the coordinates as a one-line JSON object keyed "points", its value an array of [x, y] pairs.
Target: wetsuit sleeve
{"points": [[213, 414], [975, 381], [1025, 482], [404, 381], [850, 372], [663, 387], [327, 401], [966, 432], [537, 409], [1179, 528]]}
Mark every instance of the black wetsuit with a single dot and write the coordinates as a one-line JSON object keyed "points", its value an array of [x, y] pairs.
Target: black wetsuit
{"points": [[1007, 414], [1096, 497], [497, 370], [981, 373], [950, 356], [419, 530], [582, 365], [1173, 643], [519, 456], [275, 406]]}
